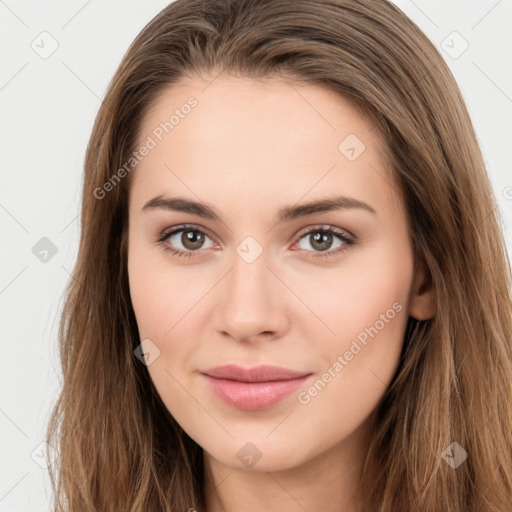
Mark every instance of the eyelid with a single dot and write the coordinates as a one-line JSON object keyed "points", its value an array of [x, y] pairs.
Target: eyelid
{"points": [[167, 232], [326, 227]]}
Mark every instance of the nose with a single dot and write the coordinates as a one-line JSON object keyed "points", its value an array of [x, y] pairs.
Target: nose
{"points": [[251, 302]]}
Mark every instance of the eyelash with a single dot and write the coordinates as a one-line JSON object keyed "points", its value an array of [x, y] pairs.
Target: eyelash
{"points": [[347, 241]]}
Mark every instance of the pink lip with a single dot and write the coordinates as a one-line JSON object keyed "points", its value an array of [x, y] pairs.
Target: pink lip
{"points": [[255, 388]]}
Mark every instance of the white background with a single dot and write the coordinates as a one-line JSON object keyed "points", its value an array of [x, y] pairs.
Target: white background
{"points": [[48, 108]]}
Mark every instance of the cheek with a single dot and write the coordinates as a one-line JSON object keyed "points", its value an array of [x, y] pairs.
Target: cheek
{"points": [[364, 306], [359, 361], [159, 307], [158, 295], [362, 352], [360, 308], [364, 295], [163, 302]]}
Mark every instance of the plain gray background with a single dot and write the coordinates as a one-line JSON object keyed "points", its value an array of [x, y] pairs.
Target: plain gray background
{"points": [[48, 105]]}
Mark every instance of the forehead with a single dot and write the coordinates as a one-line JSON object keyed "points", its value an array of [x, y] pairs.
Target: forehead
{"points": [[255, 137], [269, 106]]}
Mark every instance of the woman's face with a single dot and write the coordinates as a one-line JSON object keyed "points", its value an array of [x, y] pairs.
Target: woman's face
{"points": [[258, 171]]}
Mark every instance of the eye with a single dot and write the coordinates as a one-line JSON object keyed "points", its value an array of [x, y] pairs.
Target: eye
{"points": [[321, 239], [189, 237]]}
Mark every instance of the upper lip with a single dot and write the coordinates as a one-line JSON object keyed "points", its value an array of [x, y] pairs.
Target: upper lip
{"points": [[262, 373]]}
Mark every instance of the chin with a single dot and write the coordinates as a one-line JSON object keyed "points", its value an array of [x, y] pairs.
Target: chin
{"points": [[258, 454]]}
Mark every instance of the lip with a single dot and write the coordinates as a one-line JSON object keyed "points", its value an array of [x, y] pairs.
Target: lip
{"points": [[253, 389]]}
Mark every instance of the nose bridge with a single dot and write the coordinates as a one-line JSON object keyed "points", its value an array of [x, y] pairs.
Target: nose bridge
{"points": [[250, 273], [250, 277], [249, 282], [249, 301]]}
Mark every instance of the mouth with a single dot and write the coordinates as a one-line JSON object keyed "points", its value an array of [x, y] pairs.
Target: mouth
{"points": [[253, 389]]}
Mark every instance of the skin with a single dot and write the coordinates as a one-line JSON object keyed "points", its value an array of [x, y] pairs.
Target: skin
{"points": [[248, 149]]}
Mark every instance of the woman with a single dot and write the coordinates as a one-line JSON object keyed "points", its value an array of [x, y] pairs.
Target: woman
{"points": [[292, 291]]}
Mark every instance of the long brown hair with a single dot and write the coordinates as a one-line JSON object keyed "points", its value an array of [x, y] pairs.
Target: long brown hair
{"points": [[119, 447]]}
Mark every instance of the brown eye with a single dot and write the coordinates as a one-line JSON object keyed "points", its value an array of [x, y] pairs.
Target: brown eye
{"points": [[185, 239], [321, 240], [192, 239]]}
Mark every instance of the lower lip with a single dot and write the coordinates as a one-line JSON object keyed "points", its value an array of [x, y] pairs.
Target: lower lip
{"points": [[253, 396]]}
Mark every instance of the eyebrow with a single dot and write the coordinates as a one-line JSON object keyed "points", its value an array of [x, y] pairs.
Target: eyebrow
{"points": [[285, 214]]}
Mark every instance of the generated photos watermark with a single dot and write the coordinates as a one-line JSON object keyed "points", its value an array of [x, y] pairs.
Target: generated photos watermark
{"points": [[358, 343], [150, 143]]}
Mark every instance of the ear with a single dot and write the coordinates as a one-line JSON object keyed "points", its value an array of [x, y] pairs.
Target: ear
{"points": [[422, 304]]}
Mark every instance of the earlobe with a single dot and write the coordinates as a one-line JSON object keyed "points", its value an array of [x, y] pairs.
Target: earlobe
{"points": [[422, 303]]}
